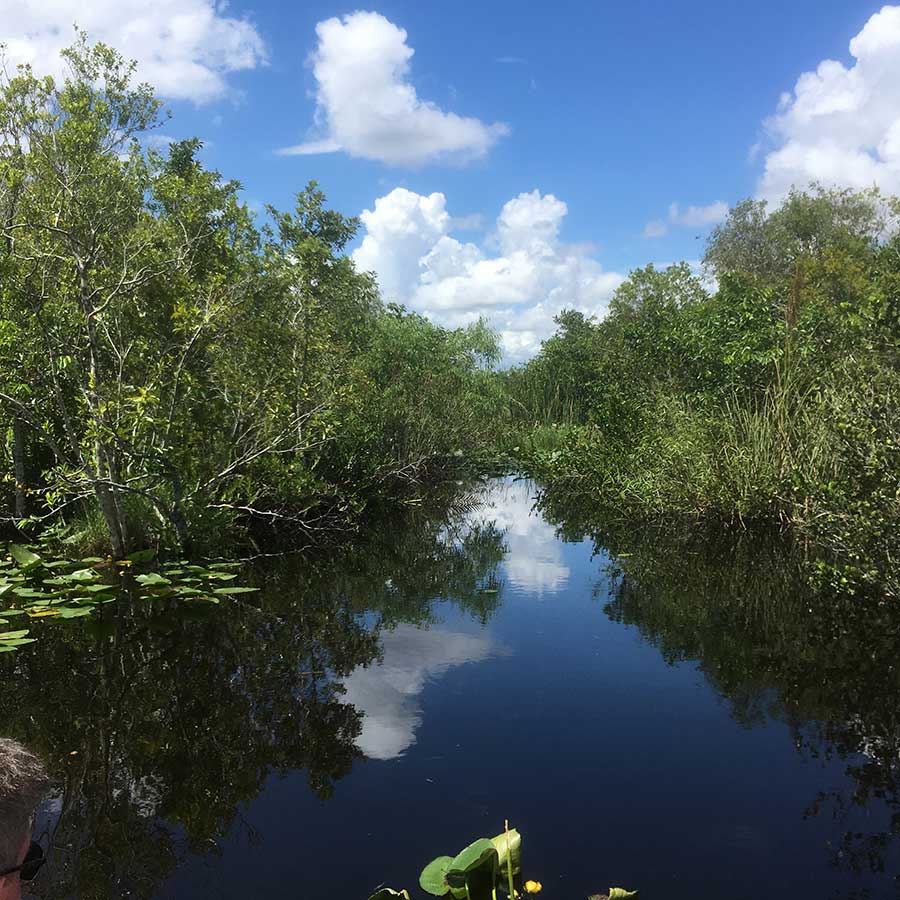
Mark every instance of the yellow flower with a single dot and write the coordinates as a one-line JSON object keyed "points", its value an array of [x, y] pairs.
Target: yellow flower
{"points": [[533, 887]]}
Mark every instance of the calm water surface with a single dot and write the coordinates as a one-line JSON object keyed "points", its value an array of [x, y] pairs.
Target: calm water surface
{"points": [[680, 718]]}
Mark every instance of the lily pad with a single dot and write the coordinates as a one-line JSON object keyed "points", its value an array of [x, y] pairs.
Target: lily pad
{"points": [[433, 879], [152, 579], [24, 557]]}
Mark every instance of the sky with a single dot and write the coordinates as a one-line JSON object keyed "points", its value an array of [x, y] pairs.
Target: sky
{"points": [[511, 160]]}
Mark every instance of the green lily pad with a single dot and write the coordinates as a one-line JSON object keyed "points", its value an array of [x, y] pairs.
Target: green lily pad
{"points": [[152, 579], [141, 556], [433, 879], [515, 850], [24, 557], [81, 576], [74, 612]]}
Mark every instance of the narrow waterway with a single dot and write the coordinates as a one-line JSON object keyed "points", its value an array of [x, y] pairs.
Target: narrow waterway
{"points": [[680, 718]]}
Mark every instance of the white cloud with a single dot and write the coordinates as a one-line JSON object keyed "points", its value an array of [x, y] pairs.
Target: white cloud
{"points": [[387, 693], [656, 229], [840, 125], [367, 107], [530, 277], [185, 48], [534, 559], [698, 216], [692, 217]]}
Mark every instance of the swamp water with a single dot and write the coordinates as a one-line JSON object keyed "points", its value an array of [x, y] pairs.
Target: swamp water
{"points": [[665, 714]]}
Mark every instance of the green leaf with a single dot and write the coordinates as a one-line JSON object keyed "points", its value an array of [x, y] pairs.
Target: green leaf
{"points": [[515, 846], [235, 590], [387, 893], [29, 593], [475, 871], [617, 893], [24, 557], [142, 556], [433, 879], [152, 579], [13, 635], [74, 612], [81, 576]]}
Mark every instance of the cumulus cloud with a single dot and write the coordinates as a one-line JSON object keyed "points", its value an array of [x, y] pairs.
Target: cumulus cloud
{"points": [[840, 125], [534, 560], [387, 693], [692, 217], [185, 48], [528, 277], [366, 106]]}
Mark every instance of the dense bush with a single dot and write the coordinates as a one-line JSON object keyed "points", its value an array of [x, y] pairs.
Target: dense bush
{"points": [[768, 392], [175, 372]]}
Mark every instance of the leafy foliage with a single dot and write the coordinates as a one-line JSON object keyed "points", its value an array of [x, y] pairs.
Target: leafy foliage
{"points": [[774, 397], [171, 372]]}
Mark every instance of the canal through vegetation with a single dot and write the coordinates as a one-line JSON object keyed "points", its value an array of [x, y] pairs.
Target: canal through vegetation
{"points": [[670, 713]]}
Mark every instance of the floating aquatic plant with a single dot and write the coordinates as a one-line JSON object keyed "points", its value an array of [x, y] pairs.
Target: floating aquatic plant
{"points": [[35, 587], [476, 873]]}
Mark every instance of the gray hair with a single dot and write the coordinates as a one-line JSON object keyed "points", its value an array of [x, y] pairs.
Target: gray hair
{"points": [[23, 784]]}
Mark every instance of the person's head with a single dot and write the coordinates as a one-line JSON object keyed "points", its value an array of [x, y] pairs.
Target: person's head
{"points": [[23, 784]]}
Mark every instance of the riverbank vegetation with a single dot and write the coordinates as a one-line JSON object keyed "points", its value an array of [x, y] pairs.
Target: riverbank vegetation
{"points": [[173, 373], [174, 369], [763, 390]]}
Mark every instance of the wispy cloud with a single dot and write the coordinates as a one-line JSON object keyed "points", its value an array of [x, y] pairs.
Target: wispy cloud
{"points": [[689, 217]]}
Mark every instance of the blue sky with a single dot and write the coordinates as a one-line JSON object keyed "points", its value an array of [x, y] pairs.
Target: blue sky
{"points": [[540, 147]]}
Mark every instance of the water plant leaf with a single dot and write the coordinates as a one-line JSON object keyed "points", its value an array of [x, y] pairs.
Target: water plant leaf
{"points": [[617, 893], [13, 635], [235, 590], [477, 864], [142, 556], [24, 557], [515, 848], [28, 593], [433, 879], [74, 612], [386, 893], [42, 613], [473, 855], [152, 579], [81, 576]]}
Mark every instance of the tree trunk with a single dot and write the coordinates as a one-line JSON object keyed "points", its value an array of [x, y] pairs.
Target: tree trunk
{"points": [[19, 438]]}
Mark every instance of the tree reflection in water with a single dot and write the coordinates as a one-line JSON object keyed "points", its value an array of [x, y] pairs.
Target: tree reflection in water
{"points": [[161, 721], [739, 606]]}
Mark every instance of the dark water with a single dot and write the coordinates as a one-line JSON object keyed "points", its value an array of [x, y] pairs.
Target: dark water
{"points": [[687, 721]]}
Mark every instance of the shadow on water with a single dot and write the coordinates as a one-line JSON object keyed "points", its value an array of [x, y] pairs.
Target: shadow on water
{"points": [[163, 724]]}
